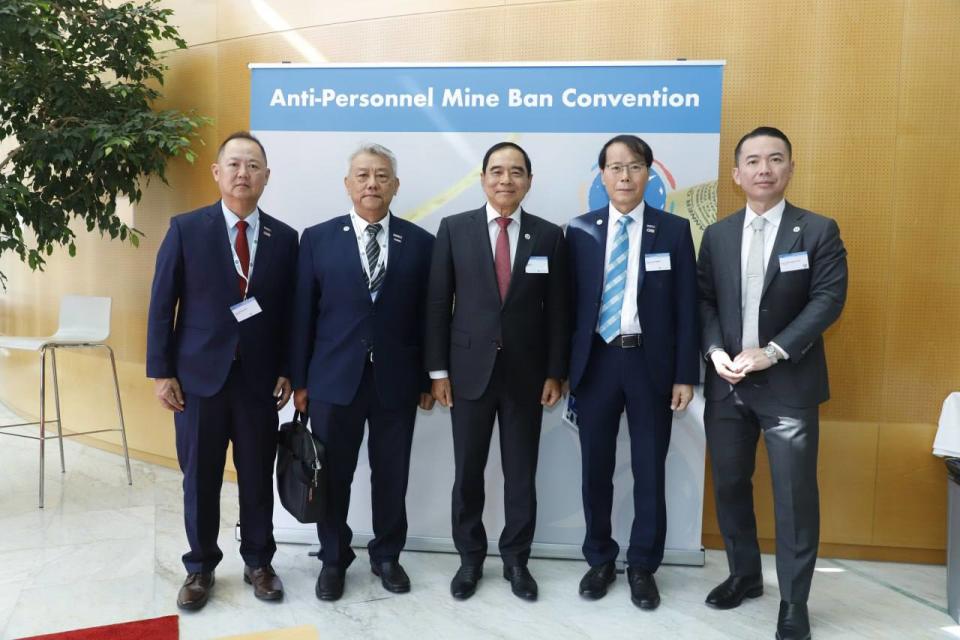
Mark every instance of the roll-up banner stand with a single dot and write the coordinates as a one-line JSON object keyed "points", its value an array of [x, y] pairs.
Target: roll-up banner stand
{"points": [[439, 120]]}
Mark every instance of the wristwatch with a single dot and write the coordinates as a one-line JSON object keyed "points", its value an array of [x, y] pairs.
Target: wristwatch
{"points": [[771, 352]]}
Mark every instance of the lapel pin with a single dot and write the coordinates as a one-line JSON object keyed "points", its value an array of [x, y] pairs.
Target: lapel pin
{"points": [[526, 236], [346, 227], [266, 231], [651, 228], [600, 221], [796, 229], [397, 237]]}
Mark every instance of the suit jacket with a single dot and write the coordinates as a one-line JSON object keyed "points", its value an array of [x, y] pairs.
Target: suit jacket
{"points": [[335, 323], [191, 333], [796, 307], [666, 300], [467, 324]]}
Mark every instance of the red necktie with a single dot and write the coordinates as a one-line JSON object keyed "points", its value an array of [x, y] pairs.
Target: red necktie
{"points": [[243, 254], [501, 258]]}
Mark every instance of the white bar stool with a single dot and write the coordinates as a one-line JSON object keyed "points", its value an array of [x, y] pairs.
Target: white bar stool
{"points": [[84, 324]]}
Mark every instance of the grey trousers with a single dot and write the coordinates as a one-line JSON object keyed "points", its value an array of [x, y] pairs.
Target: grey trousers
{"points": [[733, 426]]}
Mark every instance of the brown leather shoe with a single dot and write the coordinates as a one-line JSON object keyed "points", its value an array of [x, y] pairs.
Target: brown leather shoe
{"points": [[266, 583], [195, 591]]}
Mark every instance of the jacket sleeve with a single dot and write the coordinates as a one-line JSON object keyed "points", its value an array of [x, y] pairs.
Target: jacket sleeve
{"points": [[687, 365], [164, 297], [711, 334], [557, 306], [440, 291], [306, 295]]}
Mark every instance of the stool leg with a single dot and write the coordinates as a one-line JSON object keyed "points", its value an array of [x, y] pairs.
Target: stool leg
{"points": [[123, 429], [56, 403], [43, 373]]}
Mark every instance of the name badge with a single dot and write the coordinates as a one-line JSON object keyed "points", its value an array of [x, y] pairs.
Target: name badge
{"points": [[538, 264], [794, 261], [246, 309], [657, 262]]}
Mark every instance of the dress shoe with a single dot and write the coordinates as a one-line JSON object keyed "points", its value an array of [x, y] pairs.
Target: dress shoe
{"points": [[392, 576], [643, 588], [330, 583], [464, 583], [521, 582], [195, 591], [793, 623], [594, 584], [266, 583], [731, 592]]}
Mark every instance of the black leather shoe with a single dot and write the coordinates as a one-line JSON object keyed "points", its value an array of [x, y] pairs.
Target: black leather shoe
{"points": [[793, 623], [392, 576], [330, 583], [195, 591], [266, 583], [521, 582], [643, 588], [731, 592], [464, 583], [593, 585]]}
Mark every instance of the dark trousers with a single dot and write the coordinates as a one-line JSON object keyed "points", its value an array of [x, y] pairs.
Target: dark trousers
{"points": [[204, 428], [615, 380], [519, 418], [733, 426], [388, 446]]}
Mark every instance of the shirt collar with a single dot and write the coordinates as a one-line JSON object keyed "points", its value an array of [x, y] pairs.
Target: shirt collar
{"points": [[636, 214], [232, 219], [773, 215], [493, 214], [360, 225]]}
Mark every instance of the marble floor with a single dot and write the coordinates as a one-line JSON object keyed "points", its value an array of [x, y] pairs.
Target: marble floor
{"points": [[103, 552]]}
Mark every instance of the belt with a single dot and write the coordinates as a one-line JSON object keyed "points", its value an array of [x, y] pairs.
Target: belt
{"points": [[628, 341]]}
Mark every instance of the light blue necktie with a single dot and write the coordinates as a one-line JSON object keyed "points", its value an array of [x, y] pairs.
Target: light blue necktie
{"points": [[615, 283]]}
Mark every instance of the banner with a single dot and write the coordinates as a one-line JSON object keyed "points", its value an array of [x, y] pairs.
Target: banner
{"points": [[439, 120]]}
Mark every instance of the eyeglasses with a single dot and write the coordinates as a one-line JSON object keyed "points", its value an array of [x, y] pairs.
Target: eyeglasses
{"points": [[632, 168]]}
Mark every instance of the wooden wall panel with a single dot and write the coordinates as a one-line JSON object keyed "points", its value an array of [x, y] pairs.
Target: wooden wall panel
{"points": [[865, 90]]}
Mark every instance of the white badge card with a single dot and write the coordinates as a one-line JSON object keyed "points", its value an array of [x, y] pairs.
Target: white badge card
{"points": [[538, 264], [794, 261], [246, 309], [657, 262]]}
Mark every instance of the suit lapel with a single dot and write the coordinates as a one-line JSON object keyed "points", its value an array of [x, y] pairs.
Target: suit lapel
{"points": [[347, 252], [526, 238], [395, 254], [483, 251], [648, 234], [788, 234], [219, 239], [261, 260], [598, 229]]}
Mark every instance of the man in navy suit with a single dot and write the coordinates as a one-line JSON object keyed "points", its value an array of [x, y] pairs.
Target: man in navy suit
{"points": [[357, 358], [634, 347], [216, 348]]}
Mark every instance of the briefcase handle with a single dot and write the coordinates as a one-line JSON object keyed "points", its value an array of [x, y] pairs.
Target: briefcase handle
{"points": [[317, 465]]}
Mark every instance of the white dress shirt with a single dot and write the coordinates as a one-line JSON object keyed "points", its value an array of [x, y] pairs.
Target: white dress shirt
{"points": [[253, 228], [360, 231], [629, 314], [773, 217]]}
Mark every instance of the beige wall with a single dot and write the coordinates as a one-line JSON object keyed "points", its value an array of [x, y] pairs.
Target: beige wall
{"points": [[867, 92]]}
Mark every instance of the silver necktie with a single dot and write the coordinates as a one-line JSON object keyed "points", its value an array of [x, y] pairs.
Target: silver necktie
{"points": [[753, 286]]}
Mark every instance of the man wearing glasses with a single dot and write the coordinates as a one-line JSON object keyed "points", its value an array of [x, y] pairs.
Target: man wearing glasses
{"points": [[635, 348]]}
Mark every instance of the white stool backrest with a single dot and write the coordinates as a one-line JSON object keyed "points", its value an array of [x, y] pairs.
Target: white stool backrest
{"points": [[84, 318]]}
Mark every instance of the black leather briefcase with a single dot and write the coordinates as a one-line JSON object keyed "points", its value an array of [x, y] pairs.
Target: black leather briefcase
{"points": [[301, 471]]}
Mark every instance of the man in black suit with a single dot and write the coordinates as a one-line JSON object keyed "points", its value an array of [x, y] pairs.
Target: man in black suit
{"points": [[772, 278], [497, 340]]}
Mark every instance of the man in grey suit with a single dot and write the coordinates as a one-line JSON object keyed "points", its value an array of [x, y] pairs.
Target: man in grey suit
{"points": [[772, 278]]}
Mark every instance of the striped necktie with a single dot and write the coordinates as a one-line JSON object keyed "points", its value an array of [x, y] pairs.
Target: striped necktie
{"points": [[376, 277], [615, 283]]}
